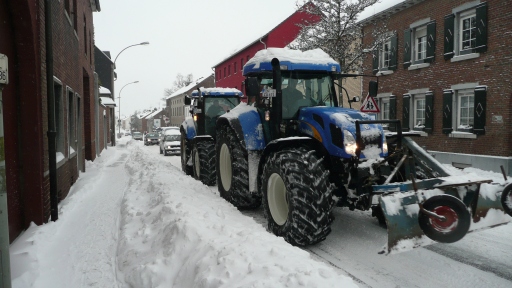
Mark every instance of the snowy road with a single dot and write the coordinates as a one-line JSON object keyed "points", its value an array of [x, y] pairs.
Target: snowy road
{"points": [[481, 259]]}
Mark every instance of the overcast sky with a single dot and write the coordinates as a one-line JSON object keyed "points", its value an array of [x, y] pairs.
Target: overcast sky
{"points": [[185, 36]]}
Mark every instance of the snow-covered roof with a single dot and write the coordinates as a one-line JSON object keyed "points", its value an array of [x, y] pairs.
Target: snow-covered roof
{"points": [[107, 101], [104, 90], [315, 59], [385, 9], [189, 86], [154, 113]]}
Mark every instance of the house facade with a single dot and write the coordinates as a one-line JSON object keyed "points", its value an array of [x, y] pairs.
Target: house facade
{"points": [[444, 70], [66, 75]]}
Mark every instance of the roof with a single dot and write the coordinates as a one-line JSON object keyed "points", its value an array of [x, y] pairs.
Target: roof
{"points": [[107, 101], [315, 59], [154, 113], [259, 38], [402, 5], [217, 91], [189, 87]]}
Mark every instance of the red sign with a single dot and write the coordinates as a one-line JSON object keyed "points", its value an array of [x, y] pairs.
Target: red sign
{"points": [[370, 105]]}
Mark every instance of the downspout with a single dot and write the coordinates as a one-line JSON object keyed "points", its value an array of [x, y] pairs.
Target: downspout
{"points": [[263, 44], [52, 133]]}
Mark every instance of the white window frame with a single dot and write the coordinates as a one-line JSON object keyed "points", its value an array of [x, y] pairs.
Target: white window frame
{"points": [[383, 54], [420, 37], [463, 12], [59, 116], [460, 32], [415, 100], [467, 125], [71, 120], [384, 106]]}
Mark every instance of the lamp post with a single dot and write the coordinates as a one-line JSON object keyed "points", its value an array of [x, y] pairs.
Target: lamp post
{"points": [[142, 43], [119, 120]]}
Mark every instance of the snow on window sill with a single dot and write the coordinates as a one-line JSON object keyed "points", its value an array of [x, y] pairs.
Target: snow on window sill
{"points": [[458, 134], [418, 66], [384, 72], [465, 57]]}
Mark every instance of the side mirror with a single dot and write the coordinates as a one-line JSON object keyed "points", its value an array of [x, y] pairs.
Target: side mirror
{"points": [[252, 87], [356, 99], [187, 100], [373, 88]]}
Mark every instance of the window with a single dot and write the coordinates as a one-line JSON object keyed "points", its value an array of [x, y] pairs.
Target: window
{"points": [[464, 109], [59, 123], [387, 106], [225, 72], [242, 64], [419, 111], [385, 58], [85, 35], [234, 68], [71, 123], [465, 32], [418, 108], [419, 44], [229, 70]]}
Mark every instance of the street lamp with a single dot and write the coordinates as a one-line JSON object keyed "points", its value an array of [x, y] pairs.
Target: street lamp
{"points": [[119, 120], [142, 43]]}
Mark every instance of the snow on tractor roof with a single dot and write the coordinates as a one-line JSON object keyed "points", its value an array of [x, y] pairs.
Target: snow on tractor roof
{"points": [[217, 91], [315, 59]]}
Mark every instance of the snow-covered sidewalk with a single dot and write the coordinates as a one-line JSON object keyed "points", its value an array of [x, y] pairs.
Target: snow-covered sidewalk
{"points": [[135, 220]]}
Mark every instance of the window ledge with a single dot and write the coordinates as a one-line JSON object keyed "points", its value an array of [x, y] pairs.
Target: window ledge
{"points": [[466, 135], [418, 66], [384, 72], [465, 57]]}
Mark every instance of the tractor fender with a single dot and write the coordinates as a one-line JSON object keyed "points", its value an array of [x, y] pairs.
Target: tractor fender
{"points": [[246, 123], [202, 138], [189, 128]]}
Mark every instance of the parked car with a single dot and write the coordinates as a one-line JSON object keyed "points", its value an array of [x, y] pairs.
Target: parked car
{"points": [[170, 143], [137, 136], [164, 130], [151, 139]]}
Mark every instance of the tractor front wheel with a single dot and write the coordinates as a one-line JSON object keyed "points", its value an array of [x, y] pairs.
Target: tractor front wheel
{"points": [[506, 199], [456, 220], [203, 162], [297, 196]]}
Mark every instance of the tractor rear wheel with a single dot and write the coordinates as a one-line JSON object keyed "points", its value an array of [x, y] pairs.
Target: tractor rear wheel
{"points": [[453, 227], [297, 196], [185, 153], [232, 171], [203, 162]]}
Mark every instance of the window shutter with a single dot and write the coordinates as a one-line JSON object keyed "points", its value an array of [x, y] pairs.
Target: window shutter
{"points": [[447, 111], [406, 115], [394, 53], [429, 111], [479, 110], [431, 41], [392, 111], [407, 48], [481, 28], [449, 37], [375, 61]]}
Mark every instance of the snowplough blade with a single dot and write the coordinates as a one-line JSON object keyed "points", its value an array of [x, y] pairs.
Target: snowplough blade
{"points": [[429, 207]]}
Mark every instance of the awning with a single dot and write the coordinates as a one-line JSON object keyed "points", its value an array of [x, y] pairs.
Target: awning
{"points": [[108, 101]]}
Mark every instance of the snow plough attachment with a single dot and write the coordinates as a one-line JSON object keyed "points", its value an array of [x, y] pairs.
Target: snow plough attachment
{"points": [[442, 209]]}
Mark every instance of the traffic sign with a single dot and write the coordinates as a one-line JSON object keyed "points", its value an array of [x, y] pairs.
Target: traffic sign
{"points": [[370, 105]]}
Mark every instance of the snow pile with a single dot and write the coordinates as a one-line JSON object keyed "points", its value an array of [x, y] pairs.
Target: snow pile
{"points": [[176, 230]]}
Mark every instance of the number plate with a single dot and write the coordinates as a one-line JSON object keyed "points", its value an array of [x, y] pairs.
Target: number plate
{"points": [[269, 93]]}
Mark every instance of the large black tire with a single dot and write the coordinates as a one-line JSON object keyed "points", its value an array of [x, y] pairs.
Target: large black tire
{"points": [[457, 220], [203, 162], [506, 199], [297, 196], [232, 171], [185, 154]]}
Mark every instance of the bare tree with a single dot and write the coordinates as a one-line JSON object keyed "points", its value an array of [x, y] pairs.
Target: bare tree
{"points": [[338, 32], [180, 82]]}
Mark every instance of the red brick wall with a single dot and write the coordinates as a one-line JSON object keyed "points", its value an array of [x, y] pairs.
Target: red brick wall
{"points": [[491, 68]]}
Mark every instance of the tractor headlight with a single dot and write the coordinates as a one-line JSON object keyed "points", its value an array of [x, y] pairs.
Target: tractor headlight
{"points": [[384, 146], [349, 142]]}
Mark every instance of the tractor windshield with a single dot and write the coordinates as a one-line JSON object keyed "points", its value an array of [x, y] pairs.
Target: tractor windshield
{"points": [[302, 89]]}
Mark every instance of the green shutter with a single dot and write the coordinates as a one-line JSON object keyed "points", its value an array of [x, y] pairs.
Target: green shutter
{"points": [[447, 111], [449, 37], [429, 112], [407, 48], [406, 115], [479, 110], [481, 28], [431, 41], [394, 53], [392, 111], [375, 61]]}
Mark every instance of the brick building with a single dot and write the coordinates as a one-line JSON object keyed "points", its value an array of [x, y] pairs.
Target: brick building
{"points": [[445, 70], [26, 103]]}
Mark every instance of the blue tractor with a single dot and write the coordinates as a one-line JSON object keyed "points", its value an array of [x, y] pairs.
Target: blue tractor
{"points": [[198, 132], [293, 149]]}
